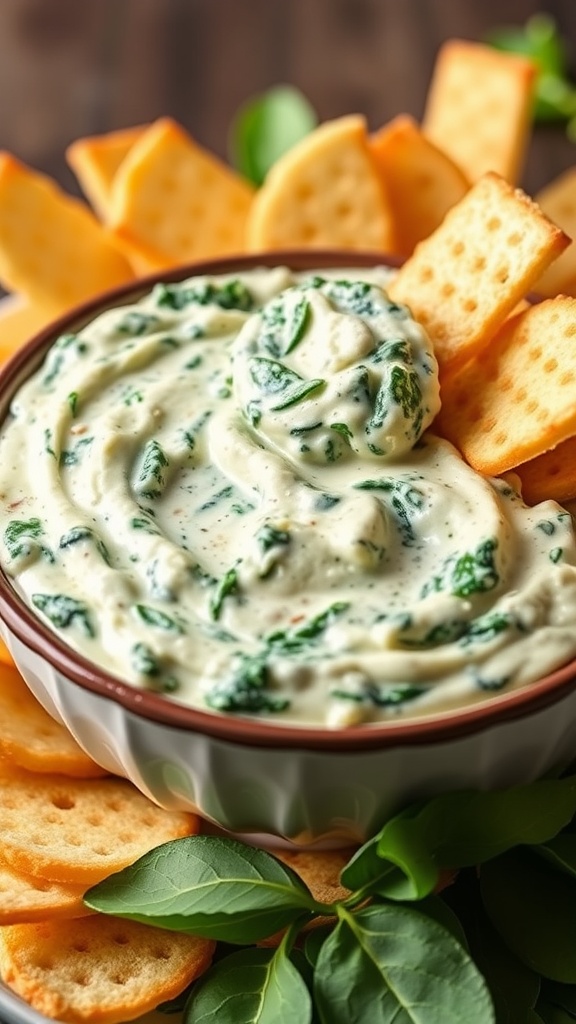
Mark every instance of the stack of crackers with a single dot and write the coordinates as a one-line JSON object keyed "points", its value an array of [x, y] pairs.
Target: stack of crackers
{"points": [[66, 823]]}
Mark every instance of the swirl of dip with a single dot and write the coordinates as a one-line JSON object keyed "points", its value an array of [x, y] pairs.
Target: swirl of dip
{"points": [[228, 492]]}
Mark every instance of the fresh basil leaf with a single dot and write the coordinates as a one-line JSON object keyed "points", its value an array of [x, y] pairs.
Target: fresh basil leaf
{"points": [[266, 127], [406, 968], [561, 852], [549, 1014], [208, 886], [252, 986], [533, 908]]}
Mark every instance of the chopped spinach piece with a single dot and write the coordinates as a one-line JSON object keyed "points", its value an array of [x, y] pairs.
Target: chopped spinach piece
{"points": [[227, 585], [382, 695], [191, 433], [73, 402], [136, 324], [284, 322], [486, 627], [292, 641], [324, 502], [64, 611], [405, 390], [343, 429], [151, 478], [471, 573], [246, 689], [555, 554], [146, 664], [141, 523], [154, 617], [269, 537], [22, 540], [72, 456], [230, 295], [81, 533], [226, 492]]}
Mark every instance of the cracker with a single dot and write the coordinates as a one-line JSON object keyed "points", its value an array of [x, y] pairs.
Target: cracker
{"points": [[30, 738], [19, 322], [479, 108], [325, 191], [551, 475], [5, 656], [25, 899], [517, 401], [468, 276], [558, 202], [422, 182], [95, 161], [52, 248], [79, 830], [320, 871], [99, 970], [173, 202]]}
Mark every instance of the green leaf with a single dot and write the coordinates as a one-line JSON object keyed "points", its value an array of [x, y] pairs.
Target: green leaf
{"points": [[561, 852], [513, 986], [534, 909], [252, 986], [562, 996], [267, 126], [406, 968], [207, 886], [540, 40], [458, 830]]}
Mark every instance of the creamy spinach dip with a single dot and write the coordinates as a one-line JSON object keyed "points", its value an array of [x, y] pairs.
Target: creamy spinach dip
{"points": [[228, 493]]}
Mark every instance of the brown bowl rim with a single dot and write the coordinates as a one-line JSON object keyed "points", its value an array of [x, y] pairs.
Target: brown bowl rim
{"points": [[21, 621]]}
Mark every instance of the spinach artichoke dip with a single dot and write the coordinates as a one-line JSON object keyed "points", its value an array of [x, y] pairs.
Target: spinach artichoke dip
{"points": [[227, 493]]}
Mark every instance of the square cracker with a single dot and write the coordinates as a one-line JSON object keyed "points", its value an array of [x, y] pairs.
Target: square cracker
{"points": [[517, 401], [173, 202], [467, 277], [422, 182], [551, 475], [479, 108], [52, 248], [324, 192], [96, 159], [558, 201]]}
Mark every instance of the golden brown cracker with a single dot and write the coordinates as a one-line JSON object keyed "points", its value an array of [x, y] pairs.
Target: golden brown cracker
{"points": [[20, 321], [551, 475], [517, 401], [5, 656], [95, 161], [25, 899], [479, 108], [324, 192], [52, 248], [99, 970], [467, 277], [32, 739], [558, 202], [79, 830], [422, 182], [173, 202]]}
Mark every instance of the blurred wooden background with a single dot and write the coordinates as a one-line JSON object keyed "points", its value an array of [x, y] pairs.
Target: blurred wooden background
{"points": [[75, 67]]}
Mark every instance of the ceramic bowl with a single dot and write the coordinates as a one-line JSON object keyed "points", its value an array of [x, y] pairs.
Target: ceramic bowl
{"points": [[286, 784]]}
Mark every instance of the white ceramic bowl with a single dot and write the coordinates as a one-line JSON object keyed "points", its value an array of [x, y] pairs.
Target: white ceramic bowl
{"points": [[301, 785]]}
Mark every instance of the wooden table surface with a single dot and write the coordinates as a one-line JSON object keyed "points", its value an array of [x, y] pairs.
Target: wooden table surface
{"points": [[76, 67]]}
